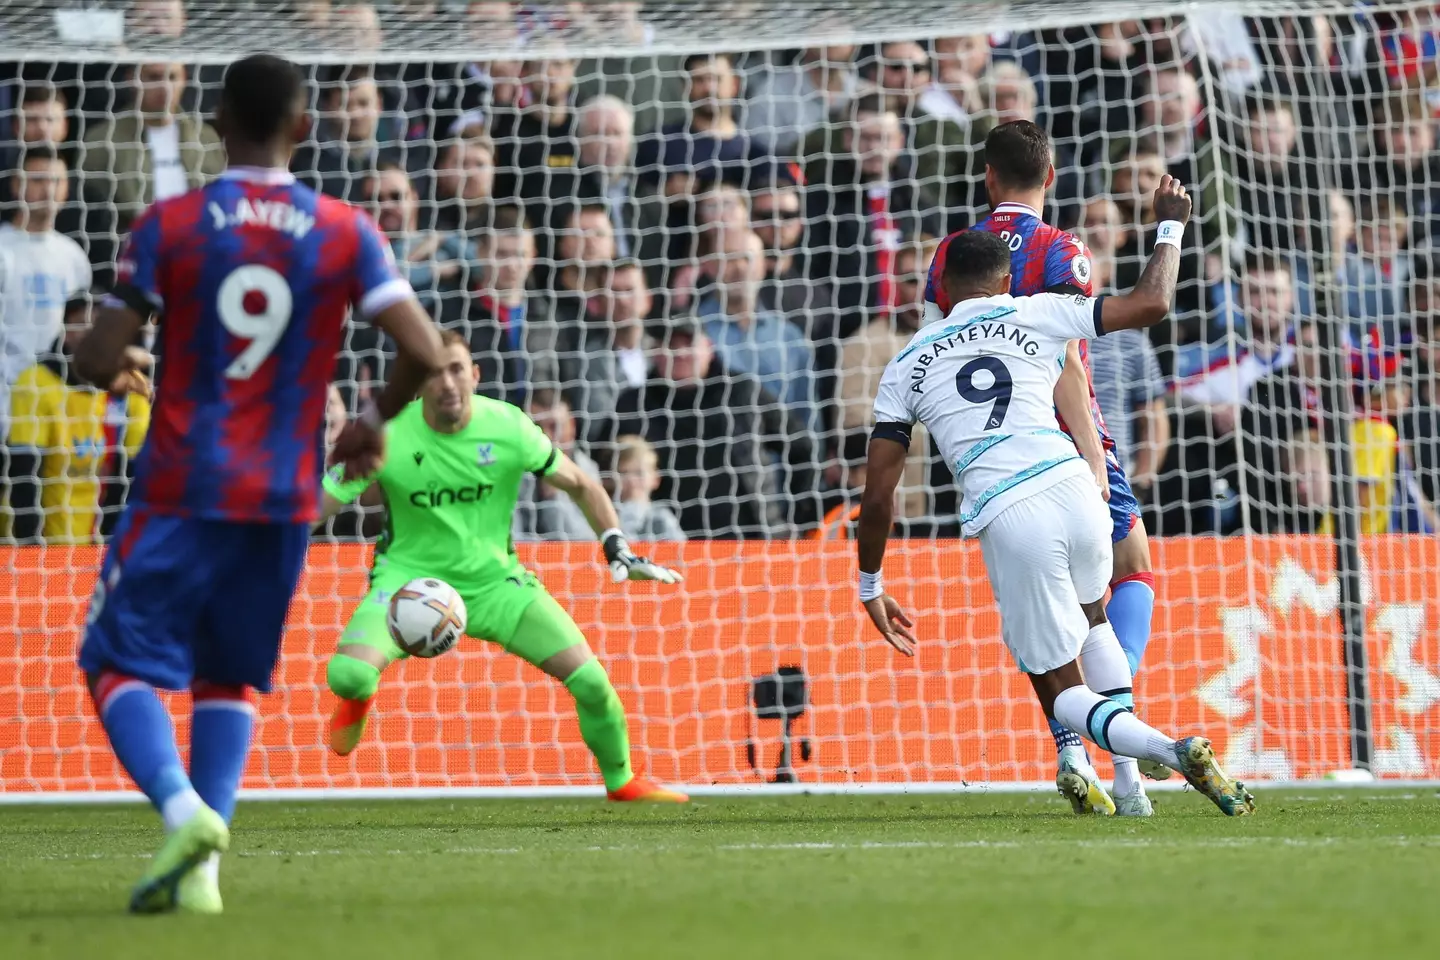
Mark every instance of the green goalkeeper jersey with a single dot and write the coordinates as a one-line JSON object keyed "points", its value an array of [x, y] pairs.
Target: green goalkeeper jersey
{"points": [[450, 497]]}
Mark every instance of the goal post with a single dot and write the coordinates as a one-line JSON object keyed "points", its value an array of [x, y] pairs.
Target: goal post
{"points": [[1281, 431]]}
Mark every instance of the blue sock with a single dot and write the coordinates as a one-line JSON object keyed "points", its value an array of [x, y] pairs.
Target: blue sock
{"points": [[1132, 602], [219, 743], [143, 739]]}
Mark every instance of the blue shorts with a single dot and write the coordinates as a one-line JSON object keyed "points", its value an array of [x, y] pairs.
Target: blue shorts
{"points": [[1124, 508], [181, 598]]}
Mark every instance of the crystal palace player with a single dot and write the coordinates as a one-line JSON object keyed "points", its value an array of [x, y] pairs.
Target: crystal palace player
{"points": [[252, 277], [1018, 172]]}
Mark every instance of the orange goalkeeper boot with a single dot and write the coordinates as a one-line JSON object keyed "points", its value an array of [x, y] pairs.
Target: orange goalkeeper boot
{"points": [[642, 790], [347, 724]]}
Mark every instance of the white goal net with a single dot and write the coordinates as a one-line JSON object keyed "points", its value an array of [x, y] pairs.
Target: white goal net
{"points": [[686, 237]]}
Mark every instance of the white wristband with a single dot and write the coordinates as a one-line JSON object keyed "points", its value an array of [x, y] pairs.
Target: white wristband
{"points": [[872, 585], [1169, 231]]}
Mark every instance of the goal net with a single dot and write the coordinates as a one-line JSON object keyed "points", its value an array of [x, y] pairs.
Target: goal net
{"points": [[690, 267]]}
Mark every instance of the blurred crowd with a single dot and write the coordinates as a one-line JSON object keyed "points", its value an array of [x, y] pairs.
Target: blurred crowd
{"points": [[690, 270]]}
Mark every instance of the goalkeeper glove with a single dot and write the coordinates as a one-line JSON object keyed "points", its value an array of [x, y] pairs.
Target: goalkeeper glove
{"points": [[625, 565]]}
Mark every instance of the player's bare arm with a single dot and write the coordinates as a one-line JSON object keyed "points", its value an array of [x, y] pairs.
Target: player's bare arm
{"points": [[885, 462], [108, 352], [360, 448], [1072, 399], [600, 513], [1149, 302], [419, 353]]}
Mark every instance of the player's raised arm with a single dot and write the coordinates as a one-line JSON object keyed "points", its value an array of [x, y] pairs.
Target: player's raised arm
{"points": [[420, 354], [594, 502], [110, 347], [1149, 302]]}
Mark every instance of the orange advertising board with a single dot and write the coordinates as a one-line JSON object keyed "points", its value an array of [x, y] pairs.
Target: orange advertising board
{"points": [[1246, 649]]}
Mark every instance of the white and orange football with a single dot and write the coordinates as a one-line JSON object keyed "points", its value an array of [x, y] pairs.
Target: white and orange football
{"points": [[427, 617]]}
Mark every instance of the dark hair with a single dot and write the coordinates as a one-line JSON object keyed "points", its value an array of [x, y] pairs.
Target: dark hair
{"points": [[1266, 261], [42, 93], [1019, 153], [261, 95], [696, 59], [870, 103], [507, 217], [976, 257], [38, 151]]}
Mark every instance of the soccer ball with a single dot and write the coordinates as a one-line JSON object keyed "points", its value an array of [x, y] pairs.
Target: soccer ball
{"points": [[426, 617]]}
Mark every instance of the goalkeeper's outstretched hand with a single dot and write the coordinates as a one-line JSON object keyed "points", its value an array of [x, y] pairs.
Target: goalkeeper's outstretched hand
{"points": [[625, 565]]}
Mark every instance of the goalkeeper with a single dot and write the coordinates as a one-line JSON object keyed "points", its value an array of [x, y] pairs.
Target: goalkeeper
{"points": [[452, 472]]}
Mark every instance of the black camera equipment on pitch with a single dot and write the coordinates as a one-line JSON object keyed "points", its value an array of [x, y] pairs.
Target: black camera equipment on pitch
{"points": [[782, 696]]}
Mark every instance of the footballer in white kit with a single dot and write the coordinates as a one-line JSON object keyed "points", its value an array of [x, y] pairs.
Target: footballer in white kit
{"points": [[982, 382]]}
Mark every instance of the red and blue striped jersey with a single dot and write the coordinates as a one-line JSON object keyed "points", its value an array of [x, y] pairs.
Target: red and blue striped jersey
{"points": [[1042, 258], [253, 276]]}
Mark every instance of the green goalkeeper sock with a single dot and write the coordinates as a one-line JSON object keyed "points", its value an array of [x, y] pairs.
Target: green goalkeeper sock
{"points": [[602, 722]]}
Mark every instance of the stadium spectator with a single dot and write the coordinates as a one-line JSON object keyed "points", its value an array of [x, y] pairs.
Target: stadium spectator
{"points": [[542, 512], [357, 27], [959, 62], [710, 145], [345, 148], [1373, 275], [1137, 170], [863, 358], [156, 18], [651, 85], [637, 472], [43, 268], [1173, 112], [462, 190], [1402, 163], [152, 151], [1214, 379], [861, 209], [716, 433], [42, 116], [1124, 371], [1281, 199], [536, 150], [605, 127], [786, 98], [1340, 224], [749, 339], [606, 353], [495, 317], [1420, 425], [436, 263], [70, 445], [777, 215]]}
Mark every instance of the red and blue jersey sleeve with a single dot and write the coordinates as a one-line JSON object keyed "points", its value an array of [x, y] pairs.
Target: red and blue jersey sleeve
{"points": [[1067, 264], [934, 291], [377, 281], [137, 274]]}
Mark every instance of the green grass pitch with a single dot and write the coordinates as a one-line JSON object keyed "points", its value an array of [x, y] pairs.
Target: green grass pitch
{"points": [[1315, 874]]}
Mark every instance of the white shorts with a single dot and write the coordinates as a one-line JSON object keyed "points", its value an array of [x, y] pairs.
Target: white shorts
{"points": [[1046, 555]]}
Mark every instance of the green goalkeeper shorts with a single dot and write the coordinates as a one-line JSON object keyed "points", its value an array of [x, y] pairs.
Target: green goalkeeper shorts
{"points": [[495, 611]]}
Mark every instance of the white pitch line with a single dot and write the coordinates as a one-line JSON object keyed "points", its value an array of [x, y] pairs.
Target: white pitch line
{"points": [[1122, 843]]}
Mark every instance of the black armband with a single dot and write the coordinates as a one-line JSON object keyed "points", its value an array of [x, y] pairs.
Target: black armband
{"points": [[1099, 310], [135, 299], [549, 462], [892, 430]]}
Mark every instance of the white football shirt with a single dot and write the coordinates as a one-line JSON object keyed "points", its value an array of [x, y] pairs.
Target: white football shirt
{"points": [[982, 381]]}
